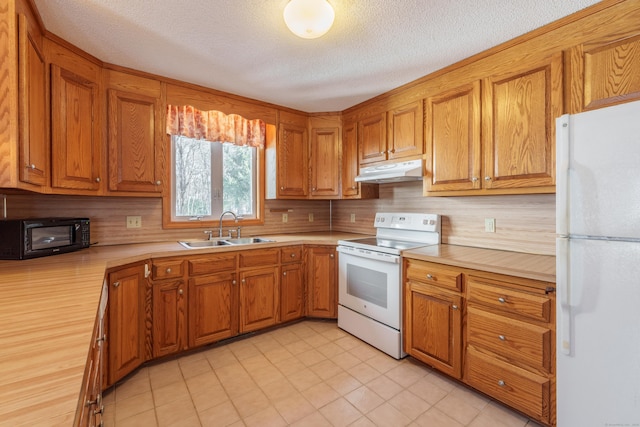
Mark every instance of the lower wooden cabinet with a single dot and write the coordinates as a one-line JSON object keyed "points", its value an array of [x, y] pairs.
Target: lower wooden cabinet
{"points": [[213, 308], [433, 317], [169, 311], [127, 314], [494, 332], [322, 281], [291, 292], [259, 296]]}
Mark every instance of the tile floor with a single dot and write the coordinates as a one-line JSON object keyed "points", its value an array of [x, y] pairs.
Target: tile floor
{"points": [[306, 374]]}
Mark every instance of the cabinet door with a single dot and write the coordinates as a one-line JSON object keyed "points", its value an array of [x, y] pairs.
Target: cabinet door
{"points": [[519, 115], [126, 321], [135, 142], [169, 318], [406, 130], [603, 73], [372, 139], [324, 162], [34, 141], [292, 161], [213, 308], [322, 283], [349, 160], [259, 298], [433, 327], [452, 136], [291, 292], [76, 146]]}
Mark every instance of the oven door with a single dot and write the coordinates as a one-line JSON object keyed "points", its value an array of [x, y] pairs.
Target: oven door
{"points": [[369, 283]]}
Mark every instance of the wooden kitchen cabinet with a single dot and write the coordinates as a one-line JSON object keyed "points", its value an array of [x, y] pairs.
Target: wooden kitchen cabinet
{"points": [[76, 125], [34, 150], [292, 158], [134, 133], [350, 189], [322, 281], [510, 342], [169, 311], [292, 284], [324, 162], [259, 288], [603, 72], [127, 314], [452, 140], [405, 131], [433, 307], [372, 139], [519, 113]]}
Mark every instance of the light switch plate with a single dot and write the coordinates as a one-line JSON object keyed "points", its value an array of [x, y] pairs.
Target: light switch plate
{"points": [[490, 225], [134, 221]]}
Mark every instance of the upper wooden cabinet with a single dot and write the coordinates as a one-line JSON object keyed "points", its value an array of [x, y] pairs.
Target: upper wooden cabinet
{"points": [[452, 136], [324, 162], [497, 137], [350, 189], [288, 172], [135, 134], [33, 131], [518, 125], [604, 72], [405, 131], [372, 139], [76, 138]]}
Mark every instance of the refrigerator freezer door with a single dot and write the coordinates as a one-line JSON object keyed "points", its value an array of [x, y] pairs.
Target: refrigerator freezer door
{"points": [[598, 172], [598, 384]]}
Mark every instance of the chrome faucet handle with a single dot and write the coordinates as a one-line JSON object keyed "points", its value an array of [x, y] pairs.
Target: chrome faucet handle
{"points": [[238, 232], [210, 234]]}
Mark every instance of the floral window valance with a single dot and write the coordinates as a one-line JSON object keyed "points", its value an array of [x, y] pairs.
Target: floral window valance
{"points": [[214, 126]]}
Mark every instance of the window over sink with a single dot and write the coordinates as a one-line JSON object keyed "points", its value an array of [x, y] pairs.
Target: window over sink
{"points": [[210, 178]]}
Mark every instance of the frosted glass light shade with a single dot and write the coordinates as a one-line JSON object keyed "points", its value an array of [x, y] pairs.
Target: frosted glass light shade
{"points": [[309, 19]]}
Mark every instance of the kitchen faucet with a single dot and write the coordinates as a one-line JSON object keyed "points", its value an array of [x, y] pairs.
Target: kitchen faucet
{"points": [[235, 217]]}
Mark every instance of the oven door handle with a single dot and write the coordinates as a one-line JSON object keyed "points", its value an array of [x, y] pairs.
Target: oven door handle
{"points": [[363, 253]]}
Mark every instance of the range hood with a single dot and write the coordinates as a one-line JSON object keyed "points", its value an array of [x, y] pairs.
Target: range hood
{"points": [[392, 172]]}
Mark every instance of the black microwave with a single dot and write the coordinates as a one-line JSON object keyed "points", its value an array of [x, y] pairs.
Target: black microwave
{"points": [[36, 237]]}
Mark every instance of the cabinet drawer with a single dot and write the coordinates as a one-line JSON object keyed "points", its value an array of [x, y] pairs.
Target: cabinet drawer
{"points": [[433, 274], [167, 269], [514, 386], [512, 339], [212, 264], [291, 254], [259, 257], [535, 307]]}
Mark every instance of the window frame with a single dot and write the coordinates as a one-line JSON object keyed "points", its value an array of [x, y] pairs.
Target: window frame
{"points": [[167, 199]]}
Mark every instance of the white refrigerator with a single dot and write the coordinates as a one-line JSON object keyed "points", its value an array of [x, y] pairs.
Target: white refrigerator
{"points": [[598, 267]]}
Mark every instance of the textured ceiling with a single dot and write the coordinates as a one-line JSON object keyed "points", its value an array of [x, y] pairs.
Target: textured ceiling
{"points": [[244, 47]]}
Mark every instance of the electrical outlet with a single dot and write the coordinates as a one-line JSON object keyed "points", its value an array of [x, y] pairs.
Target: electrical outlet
{"points": [[310, 216], [353, 218], [490, 225], [285, 217], [134, 221]]}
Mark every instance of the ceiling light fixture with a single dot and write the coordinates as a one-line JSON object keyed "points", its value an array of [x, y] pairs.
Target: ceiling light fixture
{"points": [[309, 19]]}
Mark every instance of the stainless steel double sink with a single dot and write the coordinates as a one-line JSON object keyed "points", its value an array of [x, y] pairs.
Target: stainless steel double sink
{"points": [[196, 244]]}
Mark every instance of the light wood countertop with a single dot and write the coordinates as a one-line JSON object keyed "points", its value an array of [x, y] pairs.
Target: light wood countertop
{"points": [[529, 266], [47, 311], [48, 307]]}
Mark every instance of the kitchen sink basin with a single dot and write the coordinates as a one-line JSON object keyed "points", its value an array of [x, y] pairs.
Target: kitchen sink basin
{"points": [[225, 242]]}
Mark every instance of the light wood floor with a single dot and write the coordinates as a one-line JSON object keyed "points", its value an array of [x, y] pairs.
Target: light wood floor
{"points": [[307, 374]]}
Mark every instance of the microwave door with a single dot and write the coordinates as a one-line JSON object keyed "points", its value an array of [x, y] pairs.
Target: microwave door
{"points": [[51, 237]]}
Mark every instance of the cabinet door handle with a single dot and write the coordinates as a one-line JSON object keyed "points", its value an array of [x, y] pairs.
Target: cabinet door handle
{"points": [[244, 281], [502, 300], [180, 292], [455, 307], [233, 282], [158, 182], [487, 178], [331, 256], [284, 273], [116, 284], [429, 276], [98, 179], [102, 338], [31, 166], [502, 337], [501, 383], [474, 179]]}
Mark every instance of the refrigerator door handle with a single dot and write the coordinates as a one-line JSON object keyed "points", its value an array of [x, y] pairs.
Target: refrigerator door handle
{"points": [[563, 285], [562, 175]]}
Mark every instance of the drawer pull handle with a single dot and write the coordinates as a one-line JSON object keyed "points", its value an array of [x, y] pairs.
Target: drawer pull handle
{"points": [[501, 383], [502, 337], [502, 300], [429, 276], [293, 255]]}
